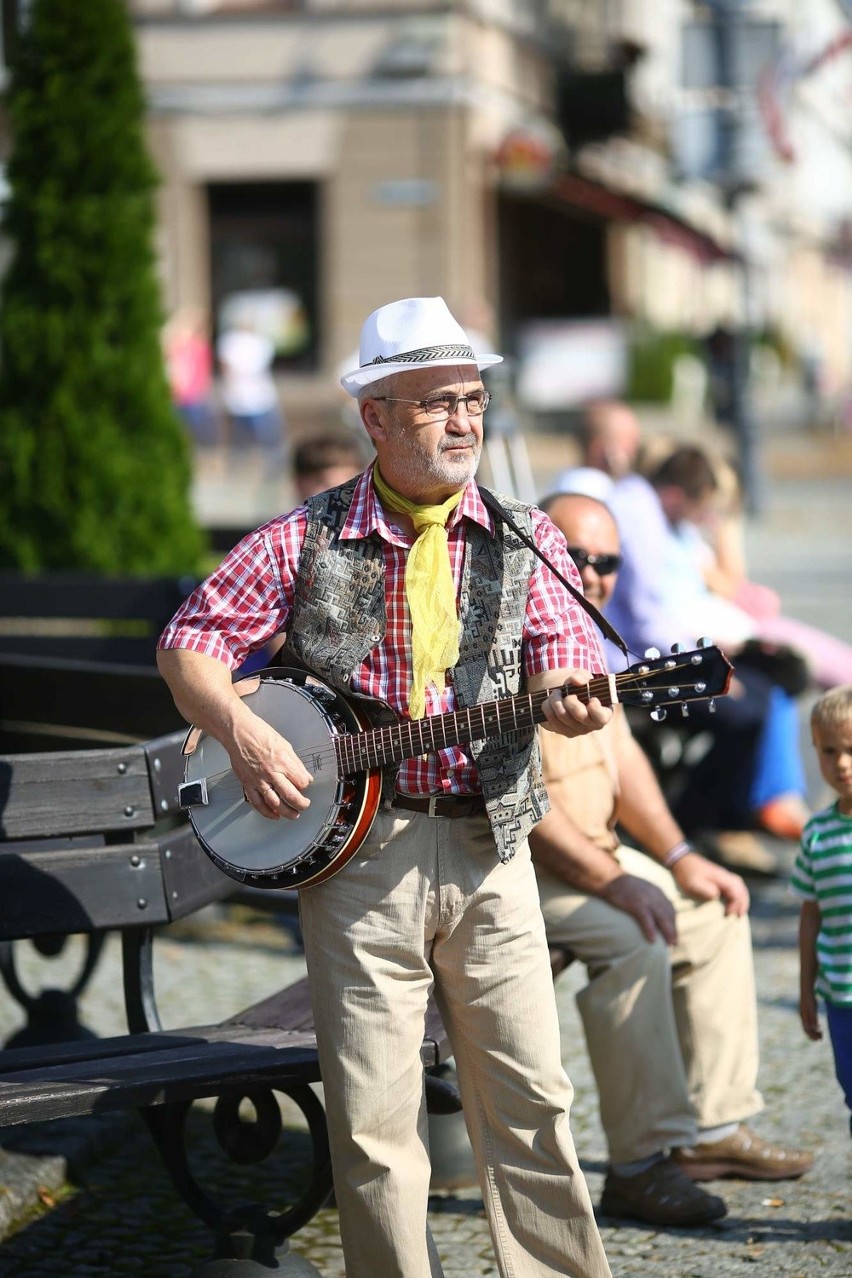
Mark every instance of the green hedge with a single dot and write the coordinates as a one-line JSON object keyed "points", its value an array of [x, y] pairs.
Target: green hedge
{"points": [[652, 356]]}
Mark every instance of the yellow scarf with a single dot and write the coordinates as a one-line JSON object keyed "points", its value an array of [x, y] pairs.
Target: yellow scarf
{"points": [[429, 591]]}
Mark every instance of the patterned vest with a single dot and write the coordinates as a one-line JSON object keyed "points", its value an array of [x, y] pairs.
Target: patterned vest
{"points": [[340, 614]]}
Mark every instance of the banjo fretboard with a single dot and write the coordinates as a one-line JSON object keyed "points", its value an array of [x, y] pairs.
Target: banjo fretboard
{"points": [[379, 747]]}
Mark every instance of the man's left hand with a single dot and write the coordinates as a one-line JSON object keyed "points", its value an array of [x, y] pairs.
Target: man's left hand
{"points": [[568, 714], [706, 881]]}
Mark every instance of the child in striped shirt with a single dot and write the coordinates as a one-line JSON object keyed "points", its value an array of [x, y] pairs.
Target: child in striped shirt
{"points": [[822, 878]]}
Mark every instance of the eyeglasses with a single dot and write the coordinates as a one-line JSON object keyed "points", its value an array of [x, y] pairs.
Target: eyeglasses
{"points": [[440, 407], [602, 564]]}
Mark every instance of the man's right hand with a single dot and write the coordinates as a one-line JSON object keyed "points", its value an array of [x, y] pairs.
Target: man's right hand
{"points": [[650, 907], [266, 765]]}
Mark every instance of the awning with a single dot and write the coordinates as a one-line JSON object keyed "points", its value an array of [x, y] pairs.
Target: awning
{"points": [[600, 200]]}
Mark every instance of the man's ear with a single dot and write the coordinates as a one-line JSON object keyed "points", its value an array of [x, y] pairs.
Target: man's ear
{"points": [[372, 417]]}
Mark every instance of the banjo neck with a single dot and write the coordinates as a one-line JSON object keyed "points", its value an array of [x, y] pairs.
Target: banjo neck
{"points": [[380, 747], [656, 682]]}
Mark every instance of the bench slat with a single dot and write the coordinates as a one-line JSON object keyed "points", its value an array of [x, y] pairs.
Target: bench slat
{"points": [[85, 889], [290, 1008], [74, 792], [194, 1069], [90, 887]]}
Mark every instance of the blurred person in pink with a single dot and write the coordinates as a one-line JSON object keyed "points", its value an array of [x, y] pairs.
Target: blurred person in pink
{"points": [[828, 658], [189, 367]]}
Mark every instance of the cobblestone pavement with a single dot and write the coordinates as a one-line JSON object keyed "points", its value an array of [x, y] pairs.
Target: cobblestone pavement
{"points": [[115, 1214]]}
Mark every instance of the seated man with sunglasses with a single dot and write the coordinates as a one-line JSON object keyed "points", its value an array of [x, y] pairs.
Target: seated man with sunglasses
{"points": [[669, 1011]]}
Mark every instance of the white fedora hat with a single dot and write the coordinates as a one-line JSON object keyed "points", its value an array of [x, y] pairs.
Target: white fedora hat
{"points": [[417, 332]]}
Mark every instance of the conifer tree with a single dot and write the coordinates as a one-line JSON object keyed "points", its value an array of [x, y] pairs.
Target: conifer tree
{"points": [[94, 462]]}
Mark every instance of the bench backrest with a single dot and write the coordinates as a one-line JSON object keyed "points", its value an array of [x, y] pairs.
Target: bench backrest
{"points": [[73, 615], [94, 839]]}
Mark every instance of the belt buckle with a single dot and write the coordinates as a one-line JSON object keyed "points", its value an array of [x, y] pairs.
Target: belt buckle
{"points": [[433, 805]]}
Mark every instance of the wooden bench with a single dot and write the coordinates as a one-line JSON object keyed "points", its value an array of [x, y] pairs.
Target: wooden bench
{"points": [[92, 840], [266, 1048]]}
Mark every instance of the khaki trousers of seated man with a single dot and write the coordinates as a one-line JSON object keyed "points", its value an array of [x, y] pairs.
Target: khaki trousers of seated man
{"points": [[671, 1032], [429, 896]]}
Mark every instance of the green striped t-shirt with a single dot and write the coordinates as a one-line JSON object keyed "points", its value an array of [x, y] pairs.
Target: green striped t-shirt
{"points": [[823, 873]]}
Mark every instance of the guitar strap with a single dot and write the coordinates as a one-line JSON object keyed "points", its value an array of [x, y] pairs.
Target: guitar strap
{"points": [[596, 615]]}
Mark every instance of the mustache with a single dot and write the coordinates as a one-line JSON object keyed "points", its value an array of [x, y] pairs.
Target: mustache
{"points": [[459, 441]]}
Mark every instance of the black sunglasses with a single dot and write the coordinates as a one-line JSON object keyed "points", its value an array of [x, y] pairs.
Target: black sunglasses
{"points": [[602, 564]]}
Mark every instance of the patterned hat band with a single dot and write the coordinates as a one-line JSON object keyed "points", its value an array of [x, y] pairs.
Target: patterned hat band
{"points": [[425, 355]]}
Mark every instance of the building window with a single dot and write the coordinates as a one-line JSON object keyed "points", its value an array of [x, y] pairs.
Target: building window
{"points": [[264, 264]]}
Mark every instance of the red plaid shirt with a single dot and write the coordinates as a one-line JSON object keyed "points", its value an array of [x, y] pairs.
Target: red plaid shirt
{"points": [[249, 598]]}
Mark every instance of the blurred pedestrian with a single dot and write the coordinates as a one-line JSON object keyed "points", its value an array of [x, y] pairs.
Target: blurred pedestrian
{"points": [[754, 608], [610, 438], [822, 878], [324, 460], [249, 392], [753, 775], [189, 367]]}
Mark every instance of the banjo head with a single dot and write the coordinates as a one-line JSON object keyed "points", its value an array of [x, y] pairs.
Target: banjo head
{"points": [[253, 848]]}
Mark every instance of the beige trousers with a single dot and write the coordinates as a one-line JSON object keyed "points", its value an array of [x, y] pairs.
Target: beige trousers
{"points": [[428, 899], [671, 1032]]}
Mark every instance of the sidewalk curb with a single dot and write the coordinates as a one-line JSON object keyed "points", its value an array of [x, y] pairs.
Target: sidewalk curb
{"points": [[40, 1159]]}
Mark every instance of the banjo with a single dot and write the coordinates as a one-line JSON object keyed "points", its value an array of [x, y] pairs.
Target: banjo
{"points": [[346, 753]]}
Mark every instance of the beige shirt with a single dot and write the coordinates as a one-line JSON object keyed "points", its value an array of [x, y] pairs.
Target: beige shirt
{"points": [[582, 773]]}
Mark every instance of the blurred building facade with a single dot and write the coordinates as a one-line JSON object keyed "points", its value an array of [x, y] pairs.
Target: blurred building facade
{"points": [[557, 169]]}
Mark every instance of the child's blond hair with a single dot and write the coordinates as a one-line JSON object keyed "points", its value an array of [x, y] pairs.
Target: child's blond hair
{"points": [[833, 708]]}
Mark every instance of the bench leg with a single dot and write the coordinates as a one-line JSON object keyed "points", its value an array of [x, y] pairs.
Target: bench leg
{"points": [[137, 961], [245, 1232]]}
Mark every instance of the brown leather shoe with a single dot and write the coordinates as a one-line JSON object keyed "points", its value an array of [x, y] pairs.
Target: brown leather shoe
{"points": [[662, 1195], [743, 1155]]}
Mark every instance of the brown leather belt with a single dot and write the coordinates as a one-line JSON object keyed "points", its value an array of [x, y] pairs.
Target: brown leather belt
{"points": [[441, 805]]}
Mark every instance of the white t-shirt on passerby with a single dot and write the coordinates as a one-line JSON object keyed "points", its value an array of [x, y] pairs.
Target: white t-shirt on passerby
{"points": [[247, 384]]}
